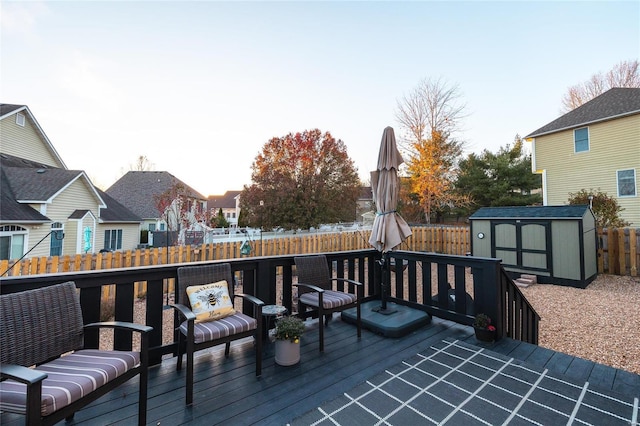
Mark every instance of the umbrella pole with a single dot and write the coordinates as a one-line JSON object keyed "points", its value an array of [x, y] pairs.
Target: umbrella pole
{"points": [[382, 309]]}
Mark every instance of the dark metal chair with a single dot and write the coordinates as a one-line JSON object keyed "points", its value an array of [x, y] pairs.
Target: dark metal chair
{"points": [[195, 336], [44, 328], [316, 296]]}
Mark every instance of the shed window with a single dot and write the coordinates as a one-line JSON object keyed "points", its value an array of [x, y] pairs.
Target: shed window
{"points": [[20, 119], [627, 183], [581, 139]]}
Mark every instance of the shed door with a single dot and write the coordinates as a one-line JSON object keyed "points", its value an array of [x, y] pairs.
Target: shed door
{"points": [[523, 245]]}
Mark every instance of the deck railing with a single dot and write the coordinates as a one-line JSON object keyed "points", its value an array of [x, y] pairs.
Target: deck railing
{"points": [[425, 285]]}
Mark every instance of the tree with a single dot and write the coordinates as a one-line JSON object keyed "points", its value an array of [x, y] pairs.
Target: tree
{"points": [[623, 74], [301, 180], [430, 116], [605, 208], [219, 221], [501, 179], [142, 164], [178, 209]]}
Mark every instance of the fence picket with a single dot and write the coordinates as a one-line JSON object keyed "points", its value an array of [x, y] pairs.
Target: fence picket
{"points": [[618, 250]]}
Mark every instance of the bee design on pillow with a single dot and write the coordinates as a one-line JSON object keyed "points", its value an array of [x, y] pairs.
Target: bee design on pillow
{"points": [[211, 298]]}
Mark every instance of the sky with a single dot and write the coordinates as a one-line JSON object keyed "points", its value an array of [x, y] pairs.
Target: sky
{"points": [[199, 87]]}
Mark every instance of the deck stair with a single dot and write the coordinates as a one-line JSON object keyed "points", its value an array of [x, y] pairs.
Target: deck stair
{"points": [[526, 280]]}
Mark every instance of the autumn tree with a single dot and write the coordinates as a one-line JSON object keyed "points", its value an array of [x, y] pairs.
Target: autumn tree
{"points": [[179, 209], [299, 181], [623, 74], [604, 207], [499, 179], [430, 116]]}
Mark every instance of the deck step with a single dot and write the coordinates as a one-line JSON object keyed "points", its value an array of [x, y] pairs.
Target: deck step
{"points": [[526, 280]]}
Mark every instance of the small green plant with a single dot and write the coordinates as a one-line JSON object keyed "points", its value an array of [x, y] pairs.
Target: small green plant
{"points": [[483, 321], [289, 328]]}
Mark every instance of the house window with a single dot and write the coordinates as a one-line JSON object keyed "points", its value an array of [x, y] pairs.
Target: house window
{"points": [[581, 139], [626, 183], [12, 241], [113, 239], [152, 227], [162, 226], [57, 234], [20, 119]]}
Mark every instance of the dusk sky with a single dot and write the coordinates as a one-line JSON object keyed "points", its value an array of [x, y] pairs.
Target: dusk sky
{"points": [[199, 87]]}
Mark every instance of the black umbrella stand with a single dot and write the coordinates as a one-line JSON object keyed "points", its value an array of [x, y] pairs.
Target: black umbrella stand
{"points": [[384, 283]]}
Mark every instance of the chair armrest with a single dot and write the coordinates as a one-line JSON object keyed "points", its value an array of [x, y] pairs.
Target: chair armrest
{"points": [[184, 311], [21, 374], [310, 287], [346, 280], [250, 298], [121, 325]]}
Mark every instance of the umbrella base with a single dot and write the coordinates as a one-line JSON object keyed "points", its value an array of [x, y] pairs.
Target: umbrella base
{"points": [[402, 322], [384, 311]]}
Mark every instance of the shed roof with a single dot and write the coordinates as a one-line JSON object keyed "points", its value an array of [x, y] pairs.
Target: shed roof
{"points": [[531, 212]]}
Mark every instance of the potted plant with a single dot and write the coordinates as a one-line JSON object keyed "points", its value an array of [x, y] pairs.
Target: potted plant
{"points": [[288, 332], [485, 332]]}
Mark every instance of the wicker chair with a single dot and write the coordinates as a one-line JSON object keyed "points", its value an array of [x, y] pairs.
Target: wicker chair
{"points": [[317, 297], [43, 327], [194, 336]]}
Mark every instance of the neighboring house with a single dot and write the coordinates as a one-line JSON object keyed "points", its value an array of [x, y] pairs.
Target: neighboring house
{"points": [[138, 191], [46, 209], [229, 203], [595, 146]]}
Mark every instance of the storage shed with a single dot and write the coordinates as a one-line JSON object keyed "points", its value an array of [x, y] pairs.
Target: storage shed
{"points": [[555, 243]]}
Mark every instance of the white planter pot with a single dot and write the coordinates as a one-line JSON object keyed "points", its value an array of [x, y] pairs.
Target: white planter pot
{"points": [[287, 352]]}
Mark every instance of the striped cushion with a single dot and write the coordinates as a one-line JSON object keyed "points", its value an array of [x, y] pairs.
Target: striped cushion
{"points": [[330, 300], [213, 330], [69, 378]]}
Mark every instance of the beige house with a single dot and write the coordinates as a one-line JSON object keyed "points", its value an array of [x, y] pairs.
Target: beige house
{"points": [[229, 203], [596, 146], [47, 209]]}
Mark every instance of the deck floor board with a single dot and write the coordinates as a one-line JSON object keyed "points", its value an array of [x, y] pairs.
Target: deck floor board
{"points": [[227, 390]]}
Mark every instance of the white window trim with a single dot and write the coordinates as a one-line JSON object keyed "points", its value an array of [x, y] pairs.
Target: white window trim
{"points": [[588, 140], [21, 119], [635, 183]]}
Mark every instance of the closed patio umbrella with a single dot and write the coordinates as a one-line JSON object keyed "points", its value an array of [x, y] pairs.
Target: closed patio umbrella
{"points": [[389, 228]]}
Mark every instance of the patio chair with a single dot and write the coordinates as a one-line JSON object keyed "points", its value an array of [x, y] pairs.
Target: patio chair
{"points": [[47, 373], [205, 302], [316, 295]]}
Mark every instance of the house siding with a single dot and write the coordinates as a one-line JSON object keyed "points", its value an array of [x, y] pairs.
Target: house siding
{"points": [[77, 196], [614, 145], [130, 235], [25, 142]]}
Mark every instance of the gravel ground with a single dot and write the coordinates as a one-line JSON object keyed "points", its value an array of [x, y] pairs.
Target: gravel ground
{"points": [[600, 323]]}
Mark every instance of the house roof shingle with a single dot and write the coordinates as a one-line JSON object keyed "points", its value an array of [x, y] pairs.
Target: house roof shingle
{"points": [[25, 180], [136, 189], [614, 103], [225, 201]]}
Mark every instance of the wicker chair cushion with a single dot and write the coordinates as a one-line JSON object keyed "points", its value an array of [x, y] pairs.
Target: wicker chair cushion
{"points": [[210, 302], [69, 378], [213, 330], [330, 299]]}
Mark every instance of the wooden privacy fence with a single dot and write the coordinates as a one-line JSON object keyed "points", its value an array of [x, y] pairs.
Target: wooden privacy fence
{"points": [[618, 250]]}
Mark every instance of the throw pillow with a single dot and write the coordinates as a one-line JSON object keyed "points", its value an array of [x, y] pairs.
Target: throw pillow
{"points": [[210, 301]]}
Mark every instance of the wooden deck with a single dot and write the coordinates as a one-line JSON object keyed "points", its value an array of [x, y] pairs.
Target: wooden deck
{"points": [[227, 391]]}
